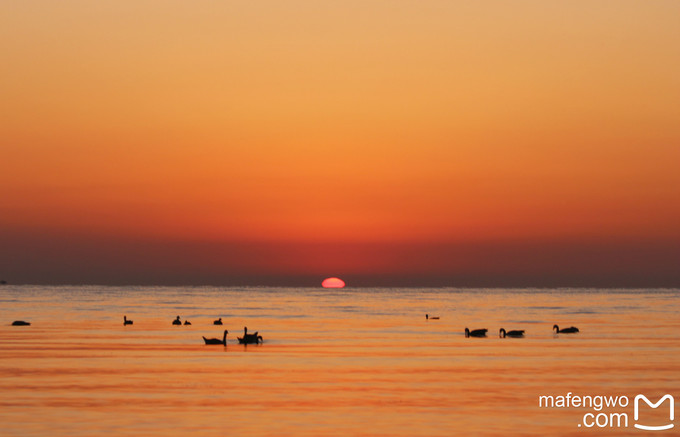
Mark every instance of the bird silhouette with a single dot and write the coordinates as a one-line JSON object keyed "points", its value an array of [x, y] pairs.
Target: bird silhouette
{"points": [[126, 321], [249, 338], [20, 323], [475, 333], [570, 330], [217, 340], [514, 334]]}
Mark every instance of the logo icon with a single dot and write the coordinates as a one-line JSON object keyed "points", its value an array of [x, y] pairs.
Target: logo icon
{"points": [[647, 401]]}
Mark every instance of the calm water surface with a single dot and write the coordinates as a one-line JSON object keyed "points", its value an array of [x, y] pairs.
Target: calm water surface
{"points": [[359, 362]]}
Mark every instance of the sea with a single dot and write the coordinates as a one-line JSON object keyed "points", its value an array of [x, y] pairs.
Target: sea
{"points": [[337, 362]]}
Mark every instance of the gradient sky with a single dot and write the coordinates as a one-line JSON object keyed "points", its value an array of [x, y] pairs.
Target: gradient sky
{"points": [[385, 142]]}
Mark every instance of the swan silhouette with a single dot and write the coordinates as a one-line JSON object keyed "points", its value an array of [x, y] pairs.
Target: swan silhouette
{"points": [[514, 334], [427, 317], [20, 323], [217, 340], [126, 321], [218, 321], [475, 333], [176, 321], [570, 330], [249, 338]]}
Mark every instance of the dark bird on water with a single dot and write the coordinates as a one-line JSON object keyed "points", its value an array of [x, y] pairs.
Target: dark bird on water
{"points": [[218, 321], [20, 323], [514, 334], [186, 322], [427, 317], [570, 330], [176, 321], [126, 321], [249, 338], [217, 340], [475, 333]]}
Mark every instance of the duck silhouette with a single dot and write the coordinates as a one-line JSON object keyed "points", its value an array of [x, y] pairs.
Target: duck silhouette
{"points": [[569, 330], [217, 340], [514, 334], [186, 322], [126, 321], [218, 321], [475, 333], [176, 321], [427, 317]]}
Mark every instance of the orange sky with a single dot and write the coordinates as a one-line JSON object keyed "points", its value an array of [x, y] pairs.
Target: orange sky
{"points": [[294, 136]]}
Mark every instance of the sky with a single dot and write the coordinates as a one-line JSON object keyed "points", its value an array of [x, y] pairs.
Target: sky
{"points": [[431, 143]]}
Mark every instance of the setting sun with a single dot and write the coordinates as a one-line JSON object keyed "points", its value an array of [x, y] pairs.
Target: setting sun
{"points": [[333, 283]]}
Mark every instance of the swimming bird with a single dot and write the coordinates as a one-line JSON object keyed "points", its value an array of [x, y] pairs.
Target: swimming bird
{"points": [[176, 321], [218, 321], [217, 340], [427, 317], [475, 333], [20, 323], [570, 330], [249, 338], [126, 321], [513, 334], [186, 322]]}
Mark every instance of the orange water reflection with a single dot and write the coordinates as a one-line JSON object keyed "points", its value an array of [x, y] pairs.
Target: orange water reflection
{"points": [[359, 362]]}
